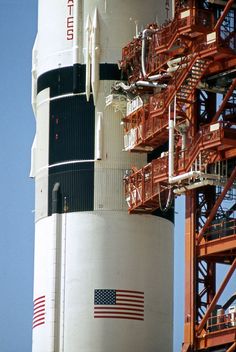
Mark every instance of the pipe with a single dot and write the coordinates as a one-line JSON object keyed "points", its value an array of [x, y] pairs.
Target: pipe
{"points": [[195, 185], [56, 267], [173, 62], [145, 33], [149, 84], [170, 69], [175, 106], [194, 174], [168, 202], [171, 146], [184, 140], [172, 123], [187, 175], [127, 88], [159, 76], [173, 9], [175, 68]]}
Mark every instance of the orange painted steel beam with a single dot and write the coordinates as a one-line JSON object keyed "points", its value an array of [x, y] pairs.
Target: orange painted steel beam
{"points": [[147, 188], [216, 298], [222, 65], [232, 348], [231, 153], [224, 102], [223, 15], [216, 338], [190, 272], [216, 206], [220, 245]]}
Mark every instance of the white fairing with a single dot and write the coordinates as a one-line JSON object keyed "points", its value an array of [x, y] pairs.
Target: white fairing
{"points": [[40, 153], [108, 250]]}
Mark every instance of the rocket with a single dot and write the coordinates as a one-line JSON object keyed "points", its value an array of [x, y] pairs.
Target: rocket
{"points": [[103, 279]]}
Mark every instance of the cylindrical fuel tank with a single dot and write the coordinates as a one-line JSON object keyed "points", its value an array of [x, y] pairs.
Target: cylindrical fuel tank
{"points": [[103, 279]]}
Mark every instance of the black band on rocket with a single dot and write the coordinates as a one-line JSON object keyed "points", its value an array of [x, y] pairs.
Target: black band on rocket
{"points": [[72, 140], [72, 136], [71, 79]]}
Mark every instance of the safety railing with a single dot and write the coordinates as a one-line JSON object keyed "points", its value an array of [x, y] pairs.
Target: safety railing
{"points": [[150, 181], [160, 101], [209, 137], [152, 115], [146, 183], [221, 228], [162, 39], [221, 321], [184, 22]]}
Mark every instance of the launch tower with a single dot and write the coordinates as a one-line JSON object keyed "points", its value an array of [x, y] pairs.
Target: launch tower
{"points": [[182, 76]]}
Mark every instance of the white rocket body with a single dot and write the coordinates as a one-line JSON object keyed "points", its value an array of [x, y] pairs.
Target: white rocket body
{"points": [[103, 279]]}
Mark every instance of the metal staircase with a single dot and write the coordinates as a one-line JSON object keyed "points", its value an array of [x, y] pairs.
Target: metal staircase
{"points": [[194, 55], [193, 78]]}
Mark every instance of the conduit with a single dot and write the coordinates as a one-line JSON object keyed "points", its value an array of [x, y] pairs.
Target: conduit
{"points": [[188, 175], [128, 88], [145, 33]]}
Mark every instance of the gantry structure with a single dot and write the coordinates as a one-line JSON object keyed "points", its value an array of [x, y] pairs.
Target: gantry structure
{"points": [[181, 111]]}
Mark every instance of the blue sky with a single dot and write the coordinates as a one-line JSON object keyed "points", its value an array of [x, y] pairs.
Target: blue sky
{"points": [[18, 25], [17, 32]]}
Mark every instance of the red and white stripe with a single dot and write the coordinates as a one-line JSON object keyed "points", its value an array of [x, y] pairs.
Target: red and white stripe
{"points": [[129, 305], [39, 311]]}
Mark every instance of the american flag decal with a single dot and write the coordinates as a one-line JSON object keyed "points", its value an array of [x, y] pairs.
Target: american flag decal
{"points": [[118, 304], [39, 311]]}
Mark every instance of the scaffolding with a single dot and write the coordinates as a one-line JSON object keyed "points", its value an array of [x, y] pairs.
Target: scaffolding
{"points": [[181, 81]]}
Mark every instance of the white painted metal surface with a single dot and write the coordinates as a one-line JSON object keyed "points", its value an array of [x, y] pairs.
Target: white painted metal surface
{"points": [[117, 26], [109, 250], [77, 253], [40, 154]]}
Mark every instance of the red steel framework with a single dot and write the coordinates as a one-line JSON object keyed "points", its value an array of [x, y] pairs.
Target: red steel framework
{"points": [[176, 74]]}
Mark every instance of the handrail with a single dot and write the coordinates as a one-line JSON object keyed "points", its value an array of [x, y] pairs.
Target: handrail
{"points": [[204, 139], [223, 15], [163, 38], [225, 227], [158, 103], [221, 321], [163, 99], [145, 183]]}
